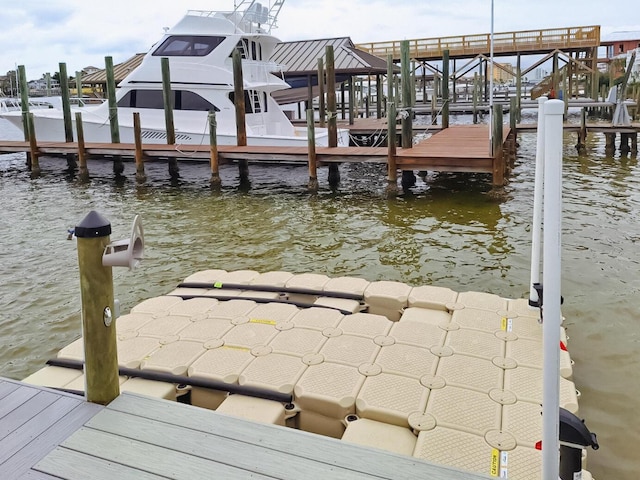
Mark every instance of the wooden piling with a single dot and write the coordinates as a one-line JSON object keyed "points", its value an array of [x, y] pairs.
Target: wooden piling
{"points": [[610, 142], [24, 106], [392, 169], [582, 134], [241, 126], [321, 104], [215, 181], [139, 158], [82, 154], [407, 110], [634, 143], [378, 96], [33, 147], [499, 164], [98, 321], [167, 98], [118, 166], [66, 103], [311, 141], [79, 87], [475, 97], [445, 89], [352, 100], [331, 97]]}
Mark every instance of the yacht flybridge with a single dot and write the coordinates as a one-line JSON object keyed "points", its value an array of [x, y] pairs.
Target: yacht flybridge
{"points": [[199, 48]]}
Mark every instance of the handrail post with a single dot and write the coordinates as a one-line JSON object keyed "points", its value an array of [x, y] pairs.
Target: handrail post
{"points": [[553, 113]]}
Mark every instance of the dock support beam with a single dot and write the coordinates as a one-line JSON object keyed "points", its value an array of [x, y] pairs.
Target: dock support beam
{"points": [[312, 186], [98, 321], [33, 146], [118, 166], [137, 138], [445, 89], [168, 100]]}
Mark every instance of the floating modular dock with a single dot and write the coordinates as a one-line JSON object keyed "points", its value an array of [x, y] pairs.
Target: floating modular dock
{"points": [[451, 378]]}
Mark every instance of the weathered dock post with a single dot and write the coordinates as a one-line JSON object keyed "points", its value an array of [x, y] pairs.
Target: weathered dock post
{"points": [[118, 166], [513, 116], [475, 97], [82, 154], [378, 97], [168, 101], [215, 181], [321, 104], [241, 126], [581, 146], [79, 87], [24, 106], [33, 147], [66, 113], [445, 89], [352, 100], [610, 143], [334, 168], [408, 177], [392, 168], [312, 186], [499, 165], [138, 155], [98, 323]]}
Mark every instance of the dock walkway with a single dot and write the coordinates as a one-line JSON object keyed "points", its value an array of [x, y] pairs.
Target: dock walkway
{"points": [[460, 148], [46, 434]]}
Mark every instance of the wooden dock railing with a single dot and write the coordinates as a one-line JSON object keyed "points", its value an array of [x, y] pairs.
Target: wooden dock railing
{"points": [[529, 41]]}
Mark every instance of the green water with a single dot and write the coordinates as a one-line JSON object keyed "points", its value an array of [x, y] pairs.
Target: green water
{"points": [[448, 231]]}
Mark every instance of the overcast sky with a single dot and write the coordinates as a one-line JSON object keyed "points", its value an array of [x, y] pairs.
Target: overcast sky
{"points": [[41, 33]]}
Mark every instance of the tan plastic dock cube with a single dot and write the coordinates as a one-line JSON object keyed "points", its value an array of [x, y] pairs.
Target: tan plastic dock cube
{"points": [[309, 281], [79, 383], [273, 313], [526, 385], [174, 357], [380, 435], [350, 350], [387, 298], [132, 321], [418, 333], [205, 276], [426, 315], [470, 372], [150, 388], [345, 304], [476, 343], [254, 409], [273, 371], [464, 409], [482, 301], [297, 341], [454, 448], [365, 324], [159, 305], [320, 424], [250, 334], [329, 389], [163, 326], [391, 398], [206, 329], [407, 360], [352, 285], [432, 297], [317, 318], [232, 308], [524, 421], [272, 279], [486, 320], [241, 277], [54, 377], [132, 350], [194, 307]]}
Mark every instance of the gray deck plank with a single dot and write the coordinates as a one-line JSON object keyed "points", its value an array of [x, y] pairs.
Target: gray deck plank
{"points": [[332, 452], [70, 465], [260, 460], [31, 429], [6, 388], [179, 456]]}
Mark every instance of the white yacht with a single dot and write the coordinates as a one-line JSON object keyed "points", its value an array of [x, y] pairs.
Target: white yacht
{"points": [[199, 48]]}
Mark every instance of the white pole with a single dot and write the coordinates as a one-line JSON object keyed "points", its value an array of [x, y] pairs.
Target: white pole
{"points": [[536, 225], [553, 112]]}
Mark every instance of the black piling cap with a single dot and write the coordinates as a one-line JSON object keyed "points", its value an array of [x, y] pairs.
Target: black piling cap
{"points": [[93, 225]]}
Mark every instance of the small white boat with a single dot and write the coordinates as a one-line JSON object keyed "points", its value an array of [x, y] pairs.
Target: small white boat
{"points": [[199, 48]]}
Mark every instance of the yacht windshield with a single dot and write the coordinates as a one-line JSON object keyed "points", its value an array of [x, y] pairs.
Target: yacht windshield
{"points": [[188, 46]]}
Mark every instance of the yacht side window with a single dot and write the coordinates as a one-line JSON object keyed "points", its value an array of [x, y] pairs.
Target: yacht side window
{"points": [[188, 46], [182, 100]]}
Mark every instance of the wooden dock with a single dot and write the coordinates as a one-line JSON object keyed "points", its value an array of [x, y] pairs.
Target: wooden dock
{"points": [[47, 434], [460, 148]]}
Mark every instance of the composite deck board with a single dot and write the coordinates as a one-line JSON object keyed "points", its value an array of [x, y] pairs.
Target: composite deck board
{"points": [[33, 421], [138, 437]]}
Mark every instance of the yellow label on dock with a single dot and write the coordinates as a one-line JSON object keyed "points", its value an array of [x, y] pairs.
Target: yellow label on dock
{"points": [[495, 462], [262, 321], [233, 347], [507, 324], [499, 462]]}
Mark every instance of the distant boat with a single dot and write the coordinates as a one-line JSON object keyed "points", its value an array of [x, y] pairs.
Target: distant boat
{"points": [[199, 48]]}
